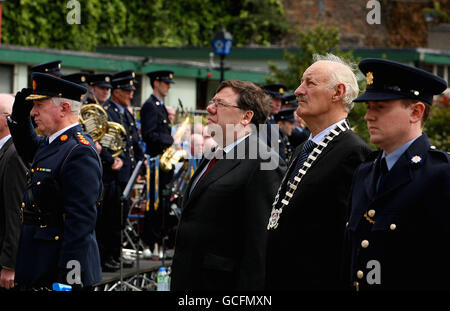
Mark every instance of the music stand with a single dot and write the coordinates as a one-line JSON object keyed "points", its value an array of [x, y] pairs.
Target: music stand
{"points": [[125, 196]]}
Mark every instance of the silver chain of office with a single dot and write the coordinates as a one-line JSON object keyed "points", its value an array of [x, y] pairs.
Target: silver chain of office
{"points": [[291, 187]]}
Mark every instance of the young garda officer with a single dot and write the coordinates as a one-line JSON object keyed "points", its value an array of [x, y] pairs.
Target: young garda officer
{"points": [[59, 210], [398, 227]]}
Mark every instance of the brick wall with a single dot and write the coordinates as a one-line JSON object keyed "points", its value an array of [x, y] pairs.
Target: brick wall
{"points": [[402, 23]]}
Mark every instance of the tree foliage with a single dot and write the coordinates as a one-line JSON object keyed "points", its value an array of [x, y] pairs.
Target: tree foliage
{"points": [[319, 40], [437, 126], [43, 23]]}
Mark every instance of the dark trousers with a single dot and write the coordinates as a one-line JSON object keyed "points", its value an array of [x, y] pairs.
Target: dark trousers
{"points": [[155, 227], [109, 221]]}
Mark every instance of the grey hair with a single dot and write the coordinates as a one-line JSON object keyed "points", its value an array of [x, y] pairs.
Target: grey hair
{"points": [[343, 74], [75, 106]]}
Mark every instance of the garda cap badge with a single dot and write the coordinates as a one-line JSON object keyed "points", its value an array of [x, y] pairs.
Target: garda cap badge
{"points": [[369, 78], [34, 85], [281, 90], [416, 159]]}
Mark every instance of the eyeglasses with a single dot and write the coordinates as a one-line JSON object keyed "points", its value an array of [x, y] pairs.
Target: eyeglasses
{"points": [[220, 103]]}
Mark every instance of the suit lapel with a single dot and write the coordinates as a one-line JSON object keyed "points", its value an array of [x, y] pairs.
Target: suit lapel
{"points": [[218, 170], [221, 168], [5, 147], [200, 167]]}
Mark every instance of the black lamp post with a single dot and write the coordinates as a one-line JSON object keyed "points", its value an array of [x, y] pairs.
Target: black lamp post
{"points": [[222, 43]]}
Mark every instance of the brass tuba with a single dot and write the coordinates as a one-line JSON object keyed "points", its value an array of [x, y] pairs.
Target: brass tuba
{"points": [[111, 135]]}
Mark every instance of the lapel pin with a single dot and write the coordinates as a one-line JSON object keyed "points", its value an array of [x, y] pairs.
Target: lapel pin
{"points": [[416, 159]]}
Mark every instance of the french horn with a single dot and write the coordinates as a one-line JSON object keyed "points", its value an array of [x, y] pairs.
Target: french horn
{"points": [[111, 135], [94, 120], [114, 138]]}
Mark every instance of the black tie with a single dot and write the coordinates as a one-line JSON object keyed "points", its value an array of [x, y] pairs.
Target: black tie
{"points": [[383, 172], [306, 150]]}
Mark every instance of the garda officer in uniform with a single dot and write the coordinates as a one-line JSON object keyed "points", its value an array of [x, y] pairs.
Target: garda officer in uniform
{"points": [[276, 92], [285, 119], [156, 133], [99, 88], [64, 184], [117, 109], [300, 133], [398, 227], [80, 78], [52, 68]]}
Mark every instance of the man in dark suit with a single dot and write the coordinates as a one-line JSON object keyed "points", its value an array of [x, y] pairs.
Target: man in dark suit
{"points": [[307, 222], [221, 238], [398, 229], [157, 135], [59, 212], [12, 185]]}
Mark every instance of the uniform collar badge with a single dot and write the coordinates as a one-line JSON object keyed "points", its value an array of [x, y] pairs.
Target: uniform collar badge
{"points": [[416, 159], [64, 137]]}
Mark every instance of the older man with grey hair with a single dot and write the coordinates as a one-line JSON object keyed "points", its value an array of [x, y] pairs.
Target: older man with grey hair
{"points": [[59, 207], [308, 215]]}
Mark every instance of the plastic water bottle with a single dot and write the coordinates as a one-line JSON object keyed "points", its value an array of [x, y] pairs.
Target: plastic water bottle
{"points": [[61, 287], [162, 280]]}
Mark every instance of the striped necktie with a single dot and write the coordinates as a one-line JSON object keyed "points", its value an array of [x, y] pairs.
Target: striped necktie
{"points": [[306, 150]]}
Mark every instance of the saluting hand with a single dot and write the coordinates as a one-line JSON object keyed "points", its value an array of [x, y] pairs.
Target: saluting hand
{"points": [[21, 107]]}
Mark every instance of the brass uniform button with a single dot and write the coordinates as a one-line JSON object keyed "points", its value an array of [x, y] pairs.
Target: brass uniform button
{"points": [[433, 147], [359, 274], [38, 183], [393, 227], [346, 224], [32, 170], [23, 204], [365, 244], [56, 238], [371, 213]]}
